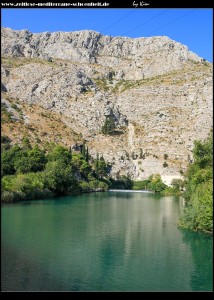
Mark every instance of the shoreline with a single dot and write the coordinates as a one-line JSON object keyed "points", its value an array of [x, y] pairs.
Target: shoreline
{"points": [[131, 191], [41, 196]]}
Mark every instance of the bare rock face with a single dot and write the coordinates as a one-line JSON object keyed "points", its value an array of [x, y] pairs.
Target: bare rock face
{"points": [[136, 58], [158, 93]]}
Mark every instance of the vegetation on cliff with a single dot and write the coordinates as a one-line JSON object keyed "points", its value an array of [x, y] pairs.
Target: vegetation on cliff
{"points": [[198, 211], [28, 172]]}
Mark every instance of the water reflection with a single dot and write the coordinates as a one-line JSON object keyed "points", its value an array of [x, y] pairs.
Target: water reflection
{"points": [[202, 254], [102, 241]]}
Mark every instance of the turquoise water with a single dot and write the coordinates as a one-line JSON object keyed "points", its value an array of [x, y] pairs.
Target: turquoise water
{"points": [[112, 241]]}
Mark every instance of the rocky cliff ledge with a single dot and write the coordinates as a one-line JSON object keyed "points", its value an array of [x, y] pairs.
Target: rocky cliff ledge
{"points": [[158, 94]]}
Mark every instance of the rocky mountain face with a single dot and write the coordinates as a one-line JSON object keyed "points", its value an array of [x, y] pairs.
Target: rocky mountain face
{"points": [[158, 93]]}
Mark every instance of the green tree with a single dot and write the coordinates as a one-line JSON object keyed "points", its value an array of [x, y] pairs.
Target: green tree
{"points": [[60, 153], [5, 143], [109, 125], [37, 159], [87, 155], [85, 169], [22, 163], [101, 167], [77, 161], [203, 153], [159, 187], [8, 158], [198, 211], [22, 160], [97, 163], [25, 183], [156, 184], [80, 165], [83, 150], [60, 178], [5, 139], [177, 184], [26, 143]]}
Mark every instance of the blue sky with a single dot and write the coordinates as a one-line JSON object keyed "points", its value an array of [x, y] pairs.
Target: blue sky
{"points": [[191, 27]]}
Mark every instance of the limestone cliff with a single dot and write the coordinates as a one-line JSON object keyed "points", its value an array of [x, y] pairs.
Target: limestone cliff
{"points": [[158, 93]]}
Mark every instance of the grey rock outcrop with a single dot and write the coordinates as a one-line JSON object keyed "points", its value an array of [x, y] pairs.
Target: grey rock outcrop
{"points": [[158, 92], [133, 58]]}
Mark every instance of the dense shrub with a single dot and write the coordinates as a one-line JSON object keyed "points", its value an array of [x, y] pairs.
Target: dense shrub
{"points": [[198, 212]]}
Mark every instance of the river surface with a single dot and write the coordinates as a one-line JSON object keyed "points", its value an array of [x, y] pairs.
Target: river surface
{"points": [[112, 241]]}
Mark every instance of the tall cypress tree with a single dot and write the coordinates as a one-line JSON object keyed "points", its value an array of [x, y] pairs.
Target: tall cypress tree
{"points": [[83, 151], [109, 125], [97, 163], [87, 155]]}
